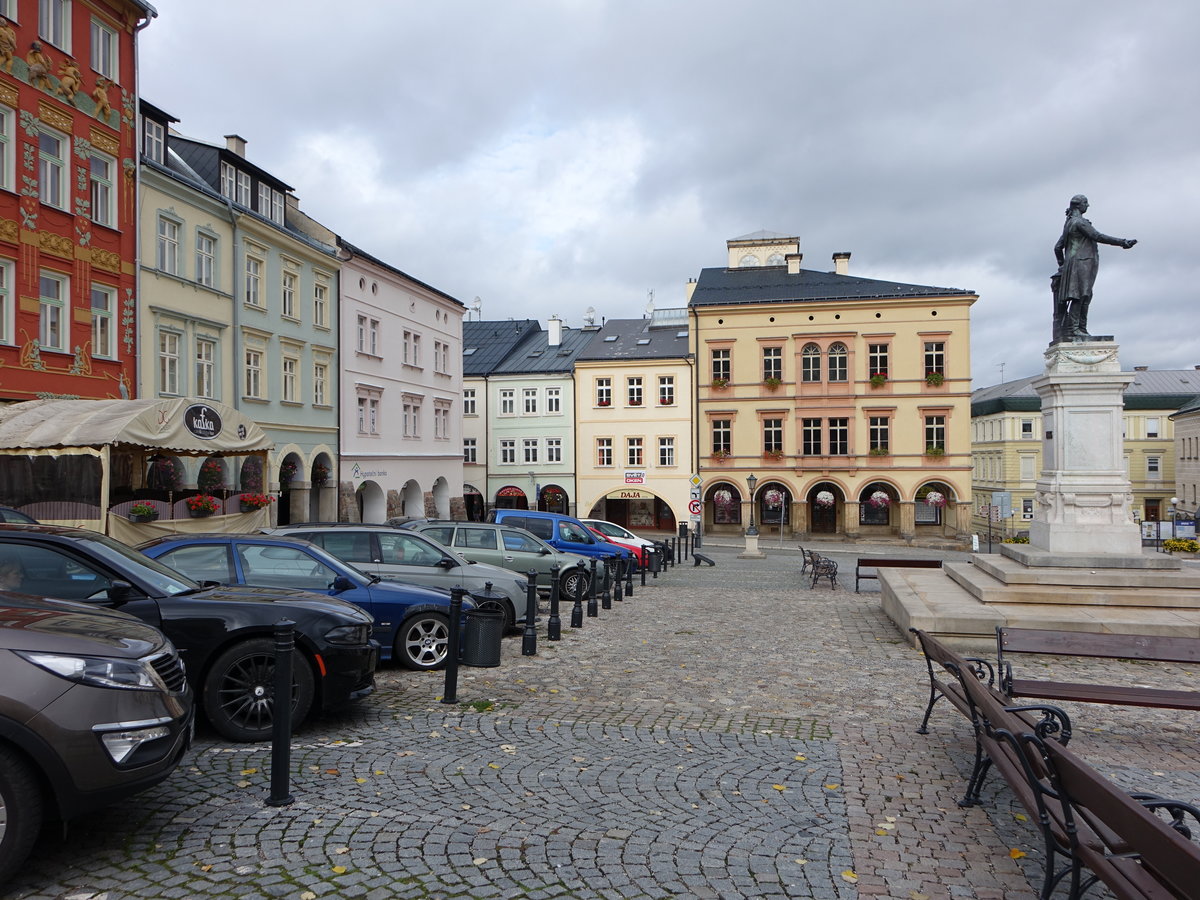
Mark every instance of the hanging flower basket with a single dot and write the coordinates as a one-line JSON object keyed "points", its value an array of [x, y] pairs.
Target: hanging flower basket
{"points": [[723, 497], [202, 505], [935, 499], [773, 497], [251, 502], [212, 475], [879, 500], [287, 471], [825, 498], [320, 473]]}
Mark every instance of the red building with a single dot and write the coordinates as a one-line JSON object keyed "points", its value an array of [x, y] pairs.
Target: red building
{"points": [[68, 197]]}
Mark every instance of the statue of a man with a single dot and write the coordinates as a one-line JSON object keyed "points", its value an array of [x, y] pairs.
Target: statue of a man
{"points": [[1078, 258]]}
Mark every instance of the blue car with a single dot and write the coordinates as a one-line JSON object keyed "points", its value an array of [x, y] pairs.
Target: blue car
{"points": [[411, 623]]}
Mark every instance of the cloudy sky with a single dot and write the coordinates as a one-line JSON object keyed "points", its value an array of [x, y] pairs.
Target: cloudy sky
{"points": [[551, 155]]}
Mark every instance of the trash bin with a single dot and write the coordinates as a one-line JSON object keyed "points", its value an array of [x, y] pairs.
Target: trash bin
{"points": [[481, 638]]}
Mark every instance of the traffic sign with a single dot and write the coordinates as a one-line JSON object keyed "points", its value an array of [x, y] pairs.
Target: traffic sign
{"points": [[696, 481], [694, 507]]}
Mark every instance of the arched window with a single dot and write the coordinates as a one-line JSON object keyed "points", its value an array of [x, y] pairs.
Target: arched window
{"points": [[837, 362], [748, 260], [776, 259], [875, 503], [726, 504], [810, 363]]}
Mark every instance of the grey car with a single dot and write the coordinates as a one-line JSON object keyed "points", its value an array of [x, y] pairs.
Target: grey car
{"points": [[94, 707], [512, 548], [408, 557]]}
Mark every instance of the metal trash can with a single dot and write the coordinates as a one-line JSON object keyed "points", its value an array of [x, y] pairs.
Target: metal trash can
{"points": [[481, 638]]}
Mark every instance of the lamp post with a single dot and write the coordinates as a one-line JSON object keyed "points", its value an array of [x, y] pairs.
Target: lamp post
{"points": [[1174, 513], [751, 551]]}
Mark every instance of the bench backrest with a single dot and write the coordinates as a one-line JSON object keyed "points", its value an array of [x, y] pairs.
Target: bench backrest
{"points": [[868, 562], [1109, 646]]}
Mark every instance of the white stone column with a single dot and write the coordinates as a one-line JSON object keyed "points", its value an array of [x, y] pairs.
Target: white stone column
{"points": [[1084, 498]]}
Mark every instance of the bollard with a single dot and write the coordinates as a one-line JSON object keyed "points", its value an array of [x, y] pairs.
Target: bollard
{"points": [[554, 626], [696, 544], [619, 573], [450, 694], [577, 609], [629, 575], [649, 554], [656, 560], [529, 635], [683, 536], [606, 594], [594, 595], [281, 718]]}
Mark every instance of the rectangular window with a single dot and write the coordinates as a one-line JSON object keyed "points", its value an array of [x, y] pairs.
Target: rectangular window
{"points": [[721, 367], [439, 356], [1027, 460], [243, 188], [206, 259], [168, 362], [228, 181], [508, 403], [206, 361], [877, 360], [154, 140], [441, 422], [54, 23], [52, 166], [1152, 426], [100, 184], [321, 302], [508, 452], [253, 288], [470, 451], [554, 401], [666, 390], [104, 300], [104, 51], [407, 348], [167, 255], [1027, 429], [935, 358], [290, 366], [277, 207], [722, 435], [935, 433], [264, 200], [839, 437], [52, 309], [666, 451], [288, 299], [469, 402], [252, 386], [603, 391], [373, 416], [362, 415], [320, 384], [553, 450], [412, 418], [362, 334], [810, 436], [373, 336], [530, 448], [604, 455], [416, 350], [633, 391], [772, 363], [7, 154], [879, 427], [7, 307], [633, 454], [772, 435], [529, 400], [1153, 467]]}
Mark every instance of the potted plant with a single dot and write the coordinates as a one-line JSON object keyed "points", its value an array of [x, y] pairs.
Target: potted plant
{"points": [[1181, 545], [878, 451], [772, 384], [934, 379], [878, 379], [773, 454], [825, 498], [719, 455], [720, 383], [287, 471], [879, 499], [252, 502], [935, 499], [635, 401], [603, 402], [665, 401], [320, 473], [935, 450], [143, 512], [202, 505], [212, 475]]}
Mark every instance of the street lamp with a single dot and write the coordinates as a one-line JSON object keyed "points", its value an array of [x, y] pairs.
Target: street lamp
{"points": [[751, 481], [751, 551], [1174, 510]]}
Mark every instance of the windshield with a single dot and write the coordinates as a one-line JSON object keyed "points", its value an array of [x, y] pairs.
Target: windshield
{"points": [[163, 578]]}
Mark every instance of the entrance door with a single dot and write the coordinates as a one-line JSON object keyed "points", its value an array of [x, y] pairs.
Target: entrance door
{"points": [[824, 518]]}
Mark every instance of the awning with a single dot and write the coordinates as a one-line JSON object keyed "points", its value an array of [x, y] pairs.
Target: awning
{"points": [[181, 424]]}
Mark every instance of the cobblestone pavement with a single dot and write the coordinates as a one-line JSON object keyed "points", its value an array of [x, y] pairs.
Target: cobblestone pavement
{"points": [[726, 732]]}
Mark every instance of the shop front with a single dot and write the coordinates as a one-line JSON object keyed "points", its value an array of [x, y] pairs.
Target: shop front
{"points": [[635, 508]]}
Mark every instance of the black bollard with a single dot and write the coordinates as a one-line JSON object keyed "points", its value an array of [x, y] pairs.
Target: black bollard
{"points": [[656, 560], [554, 626], [619, 572], [529, 636], [629, 575], [594, 596], [577, 609], [450, 694], [281, 714], [649, 554]]}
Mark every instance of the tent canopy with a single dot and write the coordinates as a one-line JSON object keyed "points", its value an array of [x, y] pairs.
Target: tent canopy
{"points": [[182, 424]]}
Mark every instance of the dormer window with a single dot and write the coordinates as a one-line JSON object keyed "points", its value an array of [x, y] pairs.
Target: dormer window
{"points": [[153, 140]]}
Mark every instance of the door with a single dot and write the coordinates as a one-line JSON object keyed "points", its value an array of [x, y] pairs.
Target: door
{"points": [[824, 518]]}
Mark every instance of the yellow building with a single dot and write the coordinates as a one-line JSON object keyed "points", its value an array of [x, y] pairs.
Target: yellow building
{"points": [[1187, 455], [1006, 444], [847, 398]]}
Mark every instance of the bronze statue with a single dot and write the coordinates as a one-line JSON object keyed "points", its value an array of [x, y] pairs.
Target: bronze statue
{"points": [[1078, 259]]}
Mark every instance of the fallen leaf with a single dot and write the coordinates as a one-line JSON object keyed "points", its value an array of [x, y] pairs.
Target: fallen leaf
{"points": [[802, 862], [493, 766], [331, 772], [1020, 817], [1015, 853], [340, 850], [832, 787], [849, 876], [479, 860], [801, 758], [880, 832], [242, 783], [206, 868], [249, 771], [339, 870], [779, 787], [380, 772], [308, 895]]}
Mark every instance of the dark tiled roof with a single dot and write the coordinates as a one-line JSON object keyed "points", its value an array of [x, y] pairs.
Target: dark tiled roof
{"points": [[773, 284], [487, 344], [637, 339], [206, 159], [537, 357], [1151, 389]]}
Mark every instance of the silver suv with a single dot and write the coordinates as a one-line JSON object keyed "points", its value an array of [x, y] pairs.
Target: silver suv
{"points": [[94, 707]]}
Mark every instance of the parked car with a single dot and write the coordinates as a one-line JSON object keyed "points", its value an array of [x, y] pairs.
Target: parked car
{"points": [[411, 623], [8, 514], [224, 634], [94, 707], [409, 557], [564, 532], [512, 548], [618, 533], [637, 550]]}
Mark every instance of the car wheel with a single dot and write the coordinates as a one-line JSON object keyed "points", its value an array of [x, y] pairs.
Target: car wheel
{"points": [[574, 582], [423, 640], [239, 692], [20, 811]]}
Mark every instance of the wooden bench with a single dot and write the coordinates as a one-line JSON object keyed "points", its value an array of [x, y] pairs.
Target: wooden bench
{"points": [[1156, 648], [873, 562]]}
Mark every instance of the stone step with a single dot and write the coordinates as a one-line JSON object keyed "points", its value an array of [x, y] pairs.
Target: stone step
{"points": [[1084, 590]]}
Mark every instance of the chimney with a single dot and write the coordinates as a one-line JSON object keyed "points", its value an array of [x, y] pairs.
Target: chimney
{"points": [[793, 263], [554, 327], [841, 263], [235, 143], [1140, 368]]}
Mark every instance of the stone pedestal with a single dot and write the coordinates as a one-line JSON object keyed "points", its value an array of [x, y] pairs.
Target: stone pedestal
{"points": [[752, 551], [1084, 498]]}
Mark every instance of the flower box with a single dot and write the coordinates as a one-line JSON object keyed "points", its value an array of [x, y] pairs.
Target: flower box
{"points": [[720, 383], [933, 450], [878, 379], [772, 384], [935, 379], [202, 505], [251, 502], [142, 512]]}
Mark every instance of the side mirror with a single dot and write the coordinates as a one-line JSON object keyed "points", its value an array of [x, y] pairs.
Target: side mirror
{"points": [[447, 562], [120, 591], [543, 552], [342, 583]]}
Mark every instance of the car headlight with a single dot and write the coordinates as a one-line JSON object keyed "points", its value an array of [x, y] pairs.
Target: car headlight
{"points": [[355, 635], [99, 671]]}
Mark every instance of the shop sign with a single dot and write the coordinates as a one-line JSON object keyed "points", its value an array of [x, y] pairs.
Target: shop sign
{"points": [[635, 477], [629, 494], [203, 421]]}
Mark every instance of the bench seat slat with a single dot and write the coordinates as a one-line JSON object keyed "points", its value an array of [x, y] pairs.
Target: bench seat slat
{"points": [[1158, 648], [1160, 698]]}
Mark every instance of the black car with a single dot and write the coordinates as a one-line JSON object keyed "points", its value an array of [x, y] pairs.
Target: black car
{"points": [[223, 633]]}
